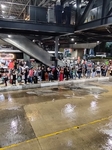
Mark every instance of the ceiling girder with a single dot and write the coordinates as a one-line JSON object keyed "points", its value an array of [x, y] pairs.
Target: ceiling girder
{"points": [[87, 10], [105, 9], [78, 11]]}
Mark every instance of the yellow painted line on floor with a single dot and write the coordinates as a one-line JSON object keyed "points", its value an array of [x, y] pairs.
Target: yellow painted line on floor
{"points": [[75, 127], [58, 132], [15, 145]]}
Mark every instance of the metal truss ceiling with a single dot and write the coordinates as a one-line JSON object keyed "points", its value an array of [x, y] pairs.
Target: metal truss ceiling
{"points": [[83, 3], [12, 8]]}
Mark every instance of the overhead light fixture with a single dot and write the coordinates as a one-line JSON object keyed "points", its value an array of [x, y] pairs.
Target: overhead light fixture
{"points": [[75, 42], [3, 11], [9, 36], [98, 42], [75, 5], [72, 39], [3, 6]]}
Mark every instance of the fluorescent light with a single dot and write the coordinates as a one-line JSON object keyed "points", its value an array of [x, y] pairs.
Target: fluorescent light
{"points": [[75, 5], [72, 39], [98, 41], [3, 11], [3, 6], [9, 36]]}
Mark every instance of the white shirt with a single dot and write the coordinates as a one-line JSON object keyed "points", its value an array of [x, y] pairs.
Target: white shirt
{"points": [[98, 68]]}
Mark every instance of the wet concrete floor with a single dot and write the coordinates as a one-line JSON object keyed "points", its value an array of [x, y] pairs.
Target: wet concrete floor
{"points": [[70, 117]]}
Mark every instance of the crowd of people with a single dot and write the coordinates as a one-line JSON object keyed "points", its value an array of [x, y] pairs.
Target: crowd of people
{"points": [[19, 72]]}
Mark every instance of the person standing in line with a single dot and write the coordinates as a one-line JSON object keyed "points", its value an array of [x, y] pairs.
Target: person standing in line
{"points": [[46, 76], [98, 70], [61, 74], [39, 73], [84, 69], [74, 73], [5, 76], [35, 76], [43, 74], [31, 74], [79, 71], [89, 68], [67, 73], [103, 70], [110, 68], [14, 78], [26, 75], [55, 73]]}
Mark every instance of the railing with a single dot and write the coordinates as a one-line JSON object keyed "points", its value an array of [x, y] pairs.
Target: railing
{"points": [[45, 16]]}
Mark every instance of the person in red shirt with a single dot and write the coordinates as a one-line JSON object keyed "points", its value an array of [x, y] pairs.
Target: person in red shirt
{"points": [[31, 74], [11, 65], [61, 74]]}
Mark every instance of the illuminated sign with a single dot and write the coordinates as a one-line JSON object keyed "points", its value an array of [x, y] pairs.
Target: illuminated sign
{"points": [[6, 56]]}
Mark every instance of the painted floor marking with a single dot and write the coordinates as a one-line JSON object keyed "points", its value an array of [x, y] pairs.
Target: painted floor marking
{"points": [[55, 133]]}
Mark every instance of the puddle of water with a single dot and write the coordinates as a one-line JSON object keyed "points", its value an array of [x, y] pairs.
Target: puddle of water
{"points": [[93, 107], [69, 112], [14, 127], [107, 130], [2, 97], [30, 92]]}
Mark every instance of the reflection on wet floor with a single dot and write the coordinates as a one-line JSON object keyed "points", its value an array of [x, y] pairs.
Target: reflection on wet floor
{"points": [[106, 131], [32, 113], [14, 127], [68, 112]]}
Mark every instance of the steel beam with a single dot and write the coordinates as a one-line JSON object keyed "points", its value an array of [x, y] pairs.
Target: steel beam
{"points": [[33, 2], [34, 27], [105, 9], [94, 24], [86, 12], [63, 1], [78, 11], [109, 13], [24, 8], [12, 3]]}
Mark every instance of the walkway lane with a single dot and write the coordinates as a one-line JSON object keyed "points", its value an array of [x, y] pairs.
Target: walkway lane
{"points": [[80, 120], [78, 137], [27, 145], [89, 137], [56, 123]]}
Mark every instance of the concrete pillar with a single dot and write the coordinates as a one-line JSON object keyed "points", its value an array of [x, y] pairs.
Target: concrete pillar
{"points": [[56, 50]]}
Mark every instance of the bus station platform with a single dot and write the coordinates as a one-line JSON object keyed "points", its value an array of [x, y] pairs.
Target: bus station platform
{"points": [[50, 84]]}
